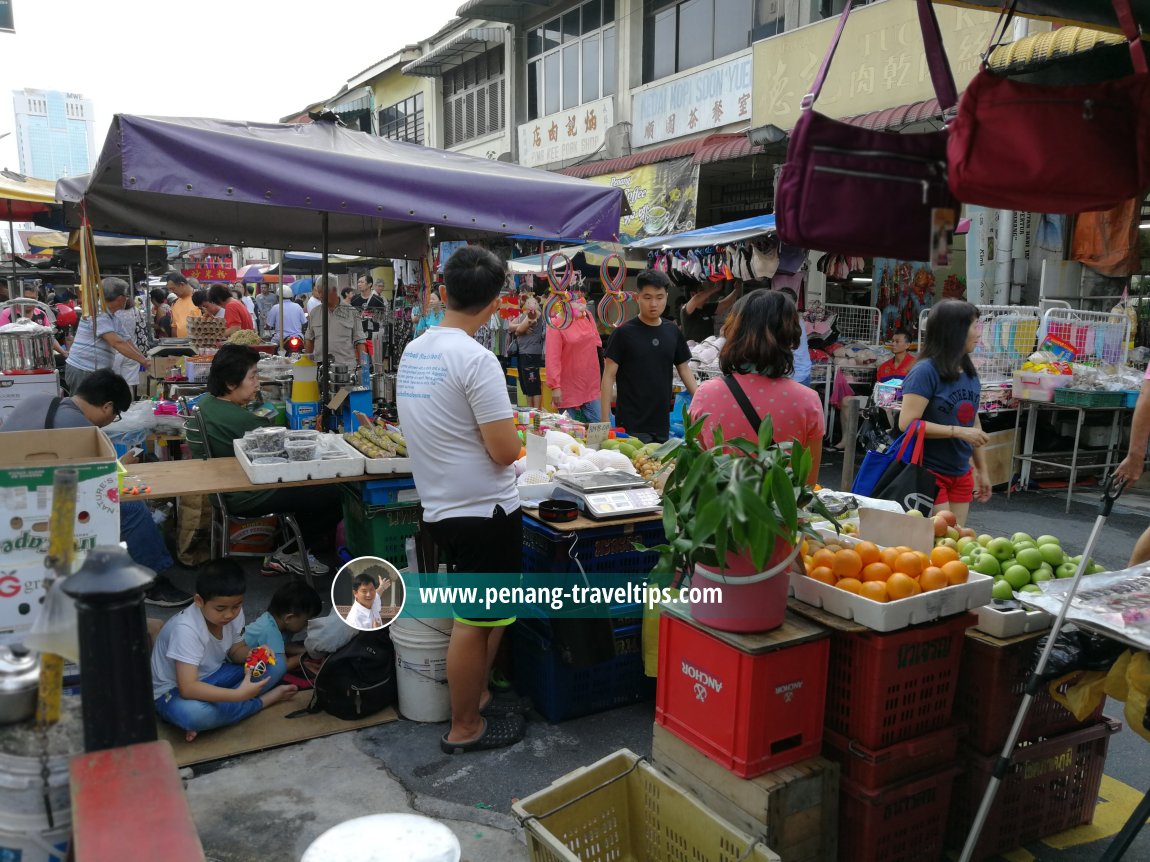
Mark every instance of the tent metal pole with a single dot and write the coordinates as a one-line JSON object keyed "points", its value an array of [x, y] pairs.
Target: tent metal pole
{"points": [[12, 292], [325, 367]]}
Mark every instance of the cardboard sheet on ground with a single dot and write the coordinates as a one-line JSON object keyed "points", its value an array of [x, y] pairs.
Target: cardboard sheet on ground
{"points": [[266, 729]]}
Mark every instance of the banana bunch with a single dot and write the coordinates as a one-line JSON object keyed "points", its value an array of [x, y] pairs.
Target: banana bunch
{"points": [[375, 441]]}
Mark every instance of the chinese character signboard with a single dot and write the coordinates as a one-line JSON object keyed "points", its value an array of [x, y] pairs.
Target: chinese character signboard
{"points": [[7, 24], [714, 97], [211, 273], [662, 198], [568, 135]]}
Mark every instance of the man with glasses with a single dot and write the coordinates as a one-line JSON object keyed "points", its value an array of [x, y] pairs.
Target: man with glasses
{"points": [[94, 350], [99, 400]]}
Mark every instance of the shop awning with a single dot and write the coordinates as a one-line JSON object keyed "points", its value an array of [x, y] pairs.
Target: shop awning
{"points": [[1087, 12], [890, 119], [732, 231], [454, 52], [504, 11], [22, 197], [265, 185], [48, 240], [712, 148]]}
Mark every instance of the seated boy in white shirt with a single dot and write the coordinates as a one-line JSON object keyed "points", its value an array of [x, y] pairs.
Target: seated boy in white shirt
{"points": [[199, 681], [365, 610]]}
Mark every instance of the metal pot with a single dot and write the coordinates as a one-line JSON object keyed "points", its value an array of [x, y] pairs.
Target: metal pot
{"points": [[19, 684], [24, 345]]}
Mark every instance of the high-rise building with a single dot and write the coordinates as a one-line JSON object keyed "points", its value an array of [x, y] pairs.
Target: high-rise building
{"points": [[53, 133]]}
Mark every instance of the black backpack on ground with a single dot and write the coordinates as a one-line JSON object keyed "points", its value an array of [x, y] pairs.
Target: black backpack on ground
{"points": [[357, 680]]}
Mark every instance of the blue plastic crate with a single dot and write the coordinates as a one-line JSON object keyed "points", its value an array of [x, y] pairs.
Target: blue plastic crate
{"points": [[1131, 398], [600, 550], [560, 692], [388, 492]]}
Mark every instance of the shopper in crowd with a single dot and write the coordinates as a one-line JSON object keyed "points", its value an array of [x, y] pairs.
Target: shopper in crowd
{"points": [[942, 388], [233, 381], [345, 341], [530, 330], [289, 610], [235, 314], [433, 316], [295, 319], [573, 365], [461, 437], [92, 350], [242, 292], [640, 356], [901, 361], [698, 314], [183, 307], [199, 681], [314, 299], [762, 334], [266, 300], [1132, 466], [31, 293], [99, 401], [132, 324], [365, 296], [802, 372], [345, 295], [161, 312]]}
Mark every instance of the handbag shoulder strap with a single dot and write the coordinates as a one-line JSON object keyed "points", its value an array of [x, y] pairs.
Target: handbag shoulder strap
{"points": [[1125, 14], [743, 401], [50, 418], [940, 73]]}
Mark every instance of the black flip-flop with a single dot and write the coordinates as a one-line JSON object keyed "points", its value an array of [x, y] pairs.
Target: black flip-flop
{"points": [[497, 733]]}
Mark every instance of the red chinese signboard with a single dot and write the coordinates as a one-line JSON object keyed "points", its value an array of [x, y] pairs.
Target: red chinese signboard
{"points": [[211, 273]]}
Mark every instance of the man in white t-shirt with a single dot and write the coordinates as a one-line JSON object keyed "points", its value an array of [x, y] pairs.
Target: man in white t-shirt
{"points": [[456, 418], [364, 612]]}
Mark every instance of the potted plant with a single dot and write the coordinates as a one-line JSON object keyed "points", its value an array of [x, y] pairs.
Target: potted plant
{"points": [[733, 515]]}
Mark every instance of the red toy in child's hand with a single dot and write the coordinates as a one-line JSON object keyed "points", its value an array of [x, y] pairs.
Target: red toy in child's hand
{"points": [[259, 660]]}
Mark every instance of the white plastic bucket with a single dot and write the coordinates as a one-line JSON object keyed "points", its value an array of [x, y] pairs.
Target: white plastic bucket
{"points": [[421, 667], [24, 831], [399, 837]]}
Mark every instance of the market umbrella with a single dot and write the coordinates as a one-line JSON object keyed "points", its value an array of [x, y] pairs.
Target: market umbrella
{"points": [[301, 287], [251, 274]]}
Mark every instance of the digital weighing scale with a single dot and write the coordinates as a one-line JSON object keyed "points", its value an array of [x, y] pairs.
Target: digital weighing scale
{"points": [[610, 494]]}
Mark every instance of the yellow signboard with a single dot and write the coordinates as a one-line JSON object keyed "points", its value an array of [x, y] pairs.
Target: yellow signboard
{"points": [[662, 197], [880, 62]]}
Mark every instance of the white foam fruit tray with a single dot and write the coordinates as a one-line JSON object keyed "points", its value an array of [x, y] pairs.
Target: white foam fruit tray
{"points": [[338, 460], [891, 616], [385, 466], [1013, 622]]}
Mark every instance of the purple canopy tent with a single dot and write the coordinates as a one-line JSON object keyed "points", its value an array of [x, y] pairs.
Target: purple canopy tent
{"points": [[319, 187]]}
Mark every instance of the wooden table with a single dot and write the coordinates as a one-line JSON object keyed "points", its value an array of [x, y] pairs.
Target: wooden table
{"points": [[217, 475]]}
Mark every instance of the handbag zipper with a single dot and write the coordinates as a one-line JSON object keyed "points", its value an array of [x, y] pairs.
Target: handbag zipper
{"points": [[822, 148], [877, 176]]}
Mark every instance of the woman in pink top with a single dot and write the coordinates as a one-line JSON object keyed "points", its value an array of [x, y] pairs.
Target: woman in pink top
{"points": [[762, 333], [573, 365]]}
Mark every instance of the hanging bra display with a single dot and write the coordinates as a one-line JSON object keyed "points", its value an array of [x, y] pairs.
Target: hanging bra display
{"points": [[839, 267], [745, 260]]}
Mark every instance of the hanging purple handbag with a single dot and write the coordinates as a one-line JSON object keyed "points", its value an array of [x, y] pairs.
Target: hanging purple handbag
{"points": [[853, 191]]}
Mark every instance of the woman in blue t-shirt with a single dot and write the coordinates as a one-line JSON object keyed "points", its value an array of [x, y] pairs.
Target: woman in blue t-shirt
{"points": [[943, 389]]}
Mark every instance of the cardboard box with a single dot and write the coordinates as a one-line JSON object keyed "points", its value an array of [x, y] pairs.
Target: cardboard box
{"points": [[302, 415], [28, 465], [14, 388]]}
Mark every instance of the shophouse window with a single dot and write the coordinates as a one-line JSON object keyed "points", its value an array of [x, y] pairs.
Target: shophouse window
{"points": [[681, 34], [403, 121], [820, 9], [571, 59], [473, 98]]}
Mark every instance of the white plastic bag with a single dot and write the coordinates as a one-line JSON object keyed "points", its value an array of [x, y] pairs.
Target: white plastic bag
{"points": [[327, 634]]}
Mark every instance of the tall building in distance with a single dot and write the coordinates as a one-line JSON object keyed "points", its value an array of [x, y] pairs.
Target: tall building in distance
{"points": [[53, 133]]}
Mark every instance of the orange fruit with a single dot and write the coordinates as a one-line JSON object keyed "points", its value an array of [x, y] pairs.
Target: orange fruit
{"points": [[923, 558], [808, 563], [822, 557], [847, 564], [942, 555], [851, 585], [868, 552], [908, 563], [876, 572], [822, 573], [903, 549], [888, 556], [874, 590], [956, 572], [900, 586], [933, 579]]}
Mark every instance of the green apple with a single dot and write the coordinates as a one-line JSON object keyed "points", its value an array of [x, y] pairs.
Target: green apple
{"points": [[1052, 554], [1002, 590], [946, 543], [965, 544], [1095, 569], [1031, 588], [1017, 576], [986, 564], [1023, 545], [915, 513], [1021, 537], [984, 540], [952, 533], [1048, 540], [1075, 559], [1066, 570], [1030, 557], [1040, 576], [1001, 548]]}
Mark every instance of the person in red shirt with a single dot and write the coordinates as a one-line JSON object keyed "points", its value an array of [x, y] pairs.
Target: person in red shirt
{"points": [[899, 365], [236, 316], [572, 361]]}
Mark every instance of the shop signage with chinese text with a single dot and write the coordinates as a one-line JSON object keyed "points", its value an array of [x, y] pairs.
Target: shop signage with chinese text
{"points": [[714, 97], [567, 135], [211, 273]]}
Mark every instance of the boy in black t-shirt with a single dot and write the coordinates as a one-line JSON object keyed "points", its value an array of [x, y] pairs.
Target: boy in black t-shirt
{"points": [[640, 356]]}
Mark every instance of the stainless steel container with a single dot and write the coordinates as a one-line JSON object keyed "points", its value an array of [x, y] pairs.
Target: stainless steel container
{"points": [[25, 345], [382, 386], [19, 684]]}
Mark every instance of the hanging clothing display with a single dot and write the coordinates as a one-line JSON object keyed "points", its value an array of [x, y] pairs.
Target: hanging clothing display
{"points": [[744, 260], [901, 290]]}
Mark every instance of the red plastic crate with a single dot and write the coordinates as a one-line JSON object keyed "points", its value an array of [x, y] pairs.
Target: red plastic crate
{"points": [[884, 688], [991, 681], [751, 712], [874, 769], [904, 822], [1050, 786]]}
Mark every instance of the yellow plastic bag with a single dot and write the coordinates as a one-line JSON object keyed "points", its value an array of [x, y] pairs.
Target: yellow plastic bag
{"points": [[651, 640], [1138, 681], [1116, 685], [1083, 697]]}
